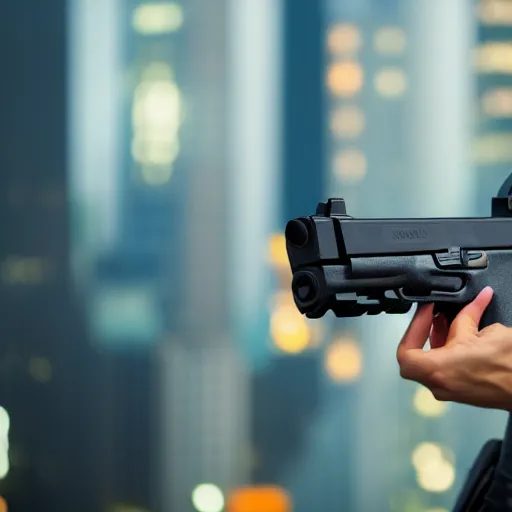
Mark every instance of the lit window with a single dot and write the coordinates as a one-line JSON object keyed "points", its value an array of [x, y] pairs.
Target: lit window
{"points": [[494, 58], [496, 12], [156, 117], [157, 18], [344, 39], [493, 148], [350, 165], [498, 102], [345, 79], [390, 40], [23, 271], [391, 82], [347, 122], [343, 360]]}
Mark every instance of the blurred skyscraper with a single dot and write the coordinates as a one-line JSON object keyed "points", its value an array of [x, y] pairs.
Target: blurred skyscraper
{"points": [[47, 397], [491, 151], [129, 198]]}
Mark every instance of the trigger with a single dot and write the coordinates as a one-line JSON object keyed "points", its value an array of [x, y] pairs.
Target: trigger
{"points": [[449, 311]]}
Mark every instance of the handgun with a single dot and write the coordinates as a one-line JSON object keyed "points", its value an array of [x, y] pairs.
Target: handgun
{"points": [[357, 266]]}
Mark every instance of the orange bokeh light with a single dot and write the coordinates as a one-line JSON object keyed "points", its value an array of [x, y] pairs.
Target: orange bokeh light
{"points": [[259, 499]]}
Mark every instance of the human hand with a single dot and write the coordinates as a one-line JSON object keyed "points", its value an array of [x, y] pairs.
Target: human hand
{"points": [[465, 364]]}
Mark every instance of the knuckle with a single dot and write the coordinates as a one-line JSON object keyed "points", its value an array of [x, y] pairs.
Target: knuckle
{"points": [[440, 394], [404, 369], [405, 373], [439, 382]]}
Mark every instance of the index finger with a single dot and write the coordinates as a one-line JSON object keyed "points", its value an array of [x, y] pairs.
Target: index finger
{"points": [[418, 331]]}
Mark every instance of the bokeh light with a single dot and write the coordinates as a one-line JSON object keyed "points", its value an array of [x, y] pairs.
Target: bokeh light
{"points": [[5, 425], [347, 122], [343, 360], [434, 471], [156, 120], [497, 102], [425, 403], [350, 165], [259, 499], [345, 78], [390, 40], [495, 12], [208, 498], [492, 148], [344, 39], [437, 478], [277, 250], [495, 57], [289, 329], [390, 82], [40, 369], [157, 18]]}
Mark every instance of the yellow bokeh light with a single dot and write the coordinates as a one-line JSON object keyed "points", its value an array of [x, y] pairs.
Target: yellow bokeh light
{"points": [[345, 79], [434, 472], [343, 360], [493, 148], [426, 405], [350, 165], [494, 57], [438, 478], [390, 82], [23, 271], [495, 12], [344, 39], [157, 18], [3, 505], [425, 454], [390, 40], [437, 510], [277, 250], [156, 118], [347, 122], [289, 329], [498, 102]]}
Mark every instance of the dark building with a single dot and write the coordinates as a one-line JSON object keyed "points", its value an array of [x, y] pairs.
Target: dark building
{"points": [[45, 384]]}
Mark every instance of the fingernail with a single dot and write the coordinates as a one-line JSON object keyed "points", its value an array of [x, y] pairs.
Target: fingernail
{"points": [[487, 289]]}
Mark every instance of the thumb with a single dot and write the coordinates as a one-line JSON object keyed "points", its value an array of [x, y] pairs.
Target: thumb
{"points": [[468, 320]]}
